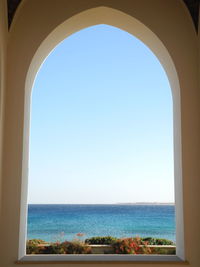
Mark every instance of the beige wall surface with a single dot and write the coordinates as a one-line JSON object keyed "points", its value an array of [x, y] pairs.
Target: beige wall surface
{"points": [[38, 25], [3, 39]]}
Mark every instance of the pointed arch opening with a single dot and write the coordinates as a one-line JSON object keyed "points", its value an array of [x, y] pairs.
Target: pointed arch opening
{"points": [[108, 16]]}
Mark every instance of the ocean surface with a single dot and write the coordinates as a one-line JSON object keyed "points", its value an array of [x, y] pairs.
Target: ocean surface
{"points": [[68, 222]]}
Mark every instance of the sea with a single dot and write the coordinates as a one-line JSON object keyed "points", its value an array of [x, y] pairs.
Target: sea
{"points": [[60, 222]]}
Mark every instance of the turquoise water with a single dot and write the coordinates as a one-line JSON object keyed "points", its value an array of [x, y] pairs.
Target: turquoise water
{"points": [[64, 222]]}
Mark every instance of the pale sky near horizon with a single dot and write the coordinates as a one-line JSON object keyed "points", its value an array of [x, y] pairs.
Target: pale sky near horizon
{"points": [[101, 123]]}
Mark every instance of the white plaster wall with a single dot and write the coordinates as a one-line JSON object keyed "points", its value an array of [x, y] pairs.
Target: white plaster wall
{"points": [[34, 21]]}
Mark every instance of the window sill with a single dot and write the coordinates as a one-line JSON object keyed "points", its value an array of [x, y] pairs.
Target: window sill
{"points": [[106, 259]]}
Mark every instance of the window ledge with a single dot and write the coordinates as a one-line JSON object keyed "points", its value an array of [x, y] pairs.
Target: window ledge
{"points": [[85, 259]]}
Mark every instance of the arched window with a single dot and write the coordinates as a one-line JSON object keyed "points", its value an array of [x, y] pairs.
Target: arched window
{"points": [[108, 16], [101, 141]]}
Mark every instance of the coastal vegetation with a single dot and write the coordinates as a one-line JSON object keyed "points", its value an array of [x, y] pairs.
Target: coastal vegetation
{"points": [[157, 241], [67, 247], [101, 240], [131, 246], [107, 240], [103, 245]]}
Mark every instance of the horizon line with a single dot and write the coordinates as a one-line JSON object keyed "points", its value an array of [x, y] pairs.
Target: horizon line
{"points": [[118, 203]]}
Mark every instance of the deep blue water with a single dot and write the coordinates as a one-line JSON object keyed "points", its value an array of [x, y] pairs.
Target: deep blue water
{"points": [[64, 222]]}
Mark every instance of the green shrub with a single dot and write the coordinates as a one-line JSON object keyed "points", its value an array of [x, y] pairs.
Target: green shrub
{"points": [[74, 247], [101, 240], [35, 241], [157, 241], [108, 240], [32, 246]]}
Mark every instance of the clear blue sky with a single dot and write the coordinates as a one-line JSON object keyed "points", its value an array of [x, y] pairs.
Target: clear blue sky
{"points": [[101, 122]]}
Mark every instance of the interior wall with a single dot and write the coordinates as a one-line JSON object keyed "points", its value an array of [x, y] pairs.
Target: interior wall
{"points": [[3, 47], [34, 20], [199, 46]]}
